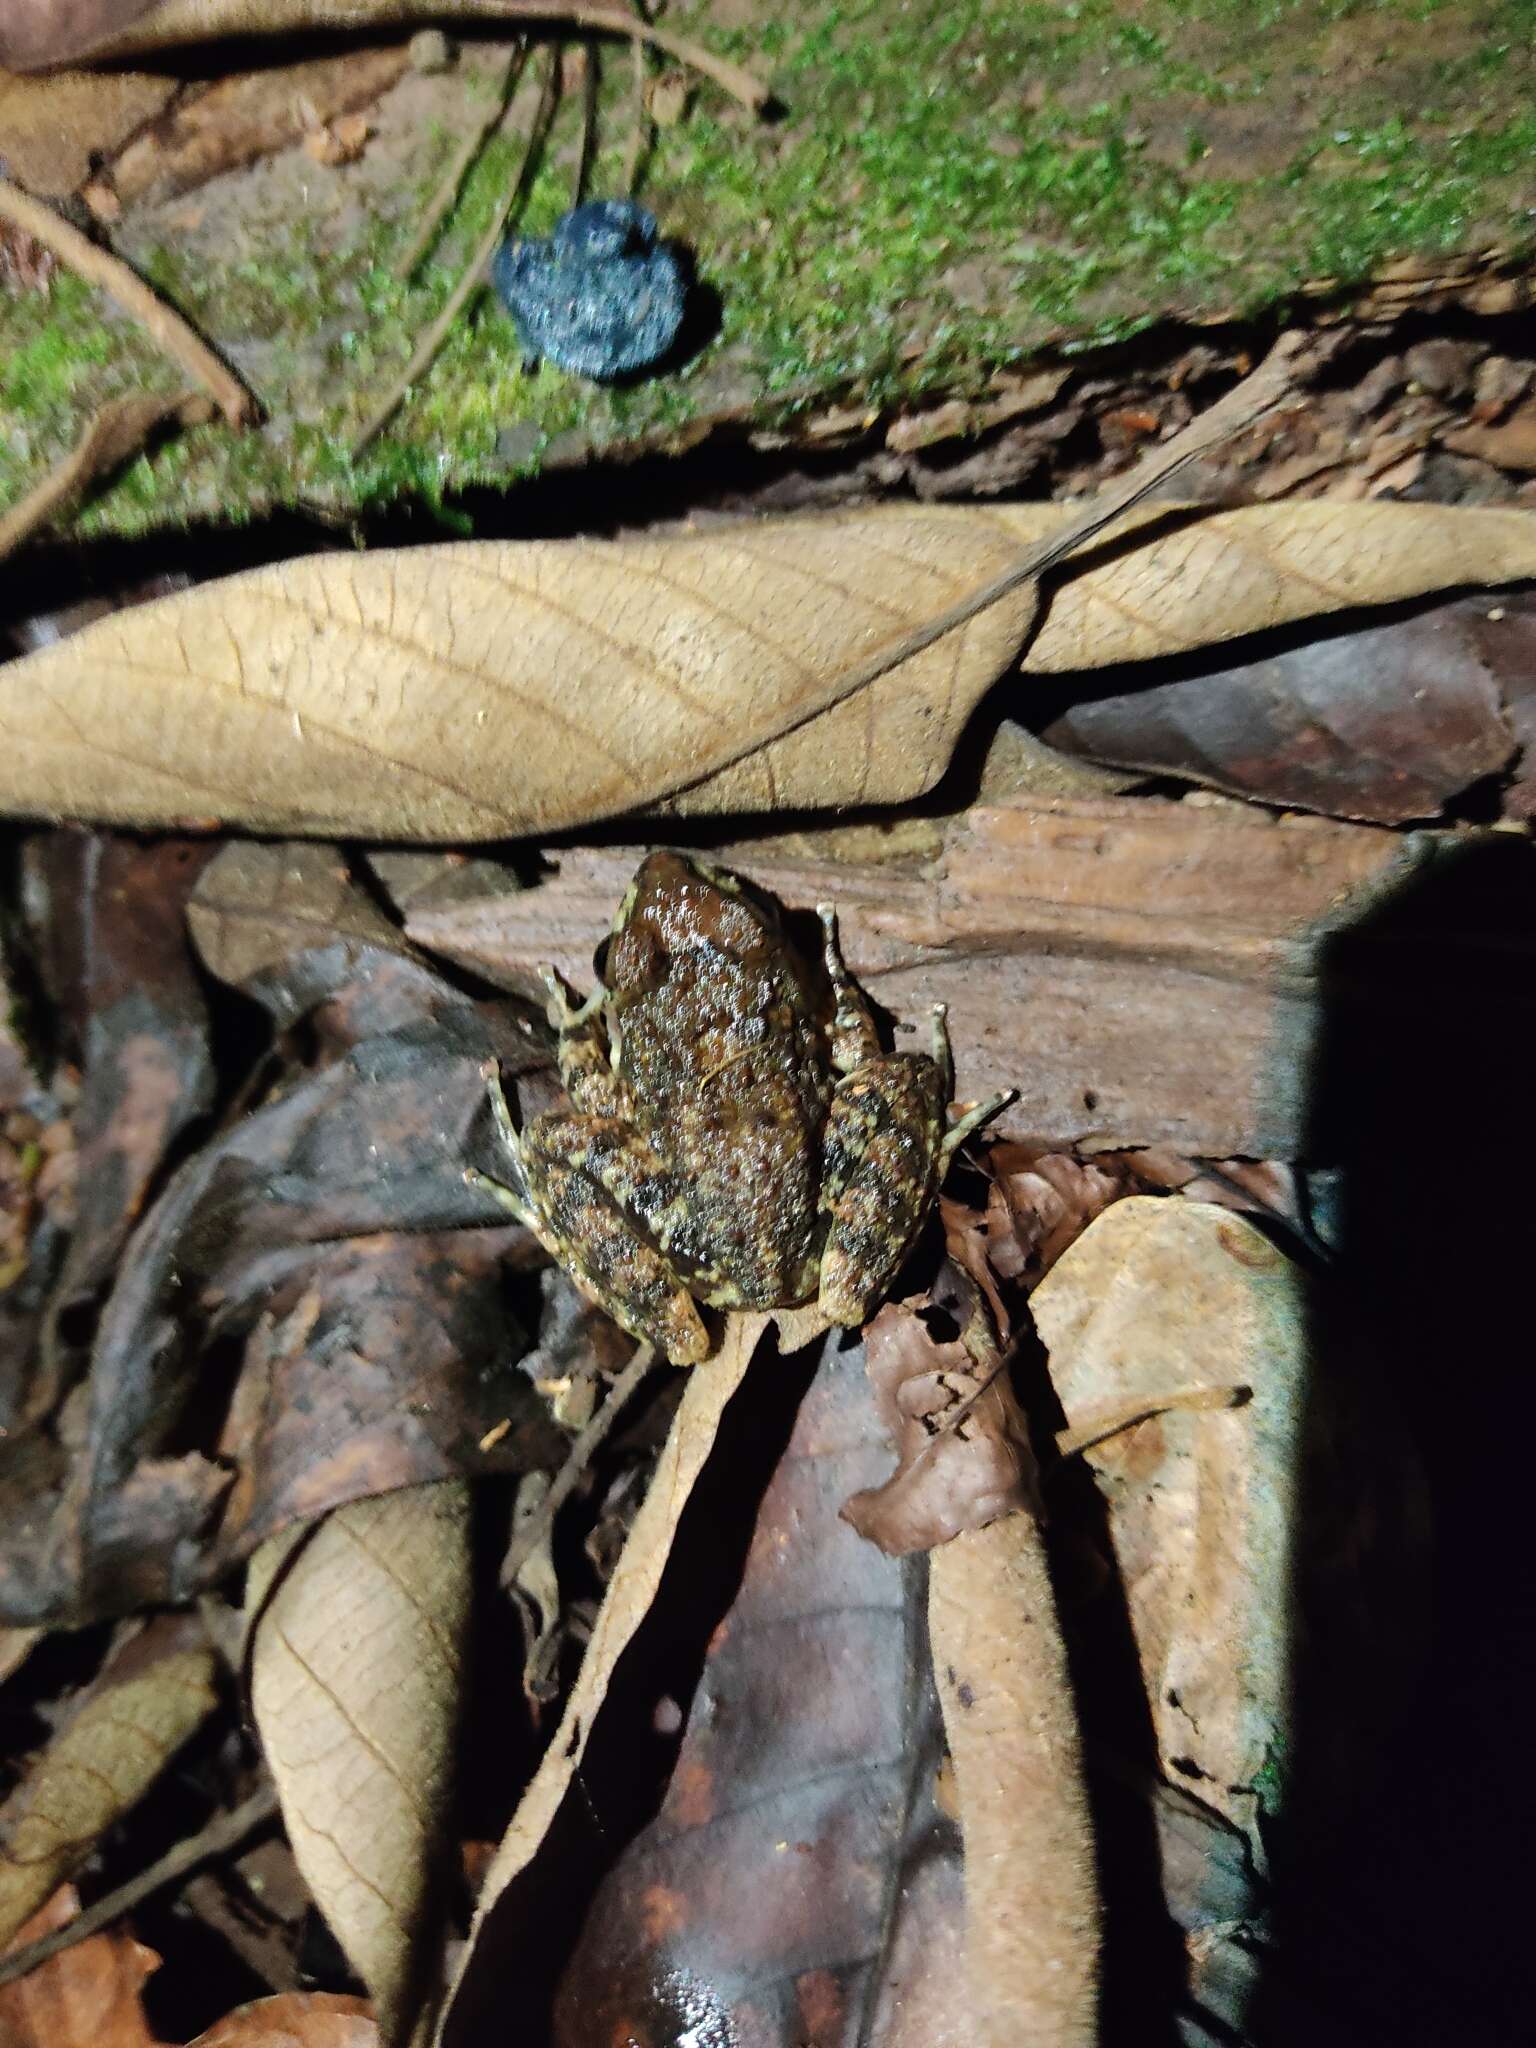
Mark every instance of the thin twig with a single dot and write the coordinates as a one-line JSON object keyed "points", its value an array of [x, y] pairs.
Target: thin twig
{"points": [[180, 21], [474, 271], [1126, 1414], [591, 77], [1269, 386], [164, 325], [119, 430], [446, 195], [580, 1456], [643, 136], [224, 1831]]}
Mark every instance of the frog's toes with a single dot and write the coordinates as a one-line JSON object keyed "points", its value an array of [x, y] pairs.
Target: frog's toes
{"points": [[963, 1127]]}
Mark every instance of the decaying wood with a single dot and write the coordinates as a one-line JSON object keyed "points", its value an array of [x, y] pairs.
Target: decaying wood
{"points": [[1142, 971]]}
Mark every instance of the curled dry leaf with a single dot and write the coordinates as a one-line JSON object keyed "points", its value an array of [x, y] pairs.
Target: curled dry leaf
{"points": [[800, 1882], [962, 1445], [356, 1669], [156, 1691], [1384, 723], [87, 1997], [498, 688], [295, 2019], [478, 1990], [1039, 1203]]}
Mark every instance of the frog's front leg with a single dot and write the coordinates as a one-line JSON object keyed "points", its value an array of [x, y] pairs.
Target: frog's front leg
{"points": [[583, 1047], [884, 1147]]}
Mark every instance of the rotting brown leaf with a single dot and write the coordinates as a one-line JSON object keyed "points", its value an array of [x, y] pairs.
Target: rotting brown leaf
{"points": [[1383, 723], [154, 1693], [800, 1882], [356, 1662], [629, 1598], [963, 1457], [87, 1997], [1039, 1203], [295, 2019], [496, 688]]}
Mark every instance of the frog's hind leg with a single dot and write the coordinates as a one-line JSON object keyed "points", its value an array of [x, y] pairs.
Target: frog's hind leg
{"points": [[854, 1037], [582, 1169], [973, 1119], [879, 1156]]}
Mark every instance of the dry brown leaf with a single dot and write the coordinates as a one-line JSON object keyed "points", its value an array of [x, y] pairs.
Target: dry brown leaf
{"points": [[962, 1444], [87, 1997], [630, 1594], [356, 1671], [295, 2019], [495, 688], [156, 1692]]}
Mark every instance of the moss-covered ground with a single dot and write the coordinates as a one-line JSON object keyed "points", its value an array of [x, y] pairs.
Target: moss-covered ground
{"points": [[952, 186]]}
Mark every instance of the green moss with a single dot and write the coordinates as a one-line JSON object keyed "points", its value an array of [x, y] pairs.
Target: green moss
{"points": [[953, 186]]}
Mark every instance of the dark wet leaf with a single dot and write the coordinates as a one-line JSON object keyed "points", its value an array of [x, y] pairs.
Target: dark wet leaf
{"points": [[109, 914], [1384, 723], [320, 1250], [800, 1883]]}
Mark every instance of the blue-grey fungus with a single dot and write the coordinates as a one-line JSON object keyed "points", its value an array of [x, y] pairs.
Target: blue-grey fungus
{"points": [[601, 296]]}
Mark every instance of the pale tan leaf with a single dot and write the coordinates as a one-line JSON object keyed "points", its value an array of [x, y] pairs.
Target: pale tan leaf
{"points": [[86, 1997], [1207, 580], [631, 1591], [16, 1646], [356, 1670], [1266, 1554], [1162, 1296], [295, 2019], [1031, 1894], [157, 1690], [495, 688]]}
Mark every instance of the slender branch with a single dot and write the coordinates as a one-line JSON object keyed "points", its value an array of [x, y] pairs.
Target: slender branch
{"points": [[1097, 1429], [474, 271], [590, 80], [447, 193], [642, 139], [164, 325], [224, 1831], [579, 1457], [182, 21], [119, 430]]}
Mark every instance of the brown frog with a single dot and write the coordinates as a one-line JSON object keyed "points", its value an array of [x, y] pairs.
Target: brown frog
{"points": [[724, 1144]]}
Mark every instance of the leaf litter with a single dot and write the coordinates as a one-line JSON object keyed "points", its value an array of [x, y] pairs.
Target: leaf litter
{"points": [[307, 1325]]}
